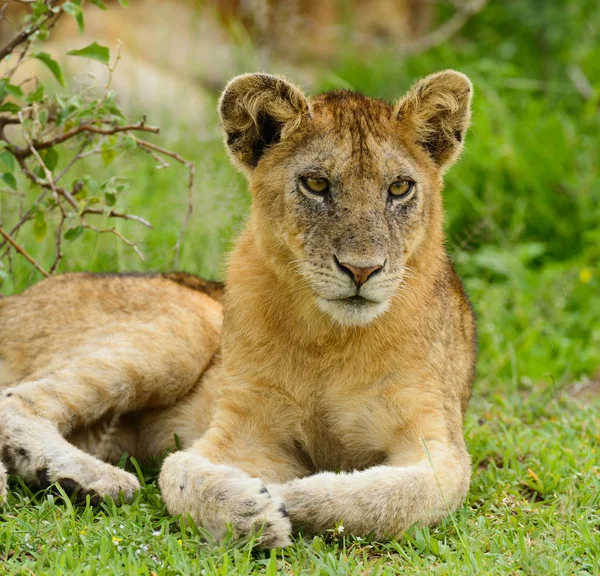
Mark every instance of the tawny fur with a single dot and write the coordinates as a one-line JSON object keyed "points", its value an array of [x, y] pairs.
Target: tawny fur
{"points": [[328, 401]]}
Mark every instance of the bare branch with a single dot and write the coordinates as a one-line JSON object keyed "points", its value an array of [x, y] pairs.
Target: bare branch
{"points": [[153, 148], [83, 128], [58, 243], [73, 202], [464, 12], [26, 217], [116, 233], [115, 214], [22, 252]]}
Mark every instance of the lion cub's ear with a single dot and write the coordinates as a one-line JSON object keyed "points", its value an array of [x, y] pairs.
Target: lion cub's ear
{"points": [[436, 110], [257, 111]]}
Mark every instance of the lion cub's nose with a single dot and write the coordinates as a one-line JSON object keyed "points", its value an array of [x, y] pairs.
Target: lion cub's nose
{"points": [[359, 273]]}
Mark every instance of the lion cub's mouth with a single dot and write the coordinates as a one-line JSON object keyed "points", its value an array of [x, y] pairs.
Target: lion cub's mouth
{"points": [[356, 299], [352, 310]]}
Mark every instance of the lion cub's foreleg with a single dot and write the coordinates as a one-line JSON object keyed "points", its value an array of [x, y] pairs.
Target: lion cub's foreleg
{"points": [[33, 448], [104, 378], [221, 479], [217, 496], [384, 500]]}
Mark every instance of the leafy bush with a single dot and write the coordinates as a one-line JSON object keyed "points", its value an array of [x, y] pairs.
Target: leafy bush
{"points": [[45, 133]]}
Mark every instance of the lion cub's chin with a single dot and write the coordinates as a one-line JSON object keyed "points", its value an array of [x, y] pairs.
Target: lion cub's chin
{"points": [[353, 312]]}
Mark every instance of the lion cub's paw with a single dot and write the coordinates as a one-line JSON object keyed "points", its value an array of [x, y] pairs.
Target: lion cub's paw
{"points": [[96, 479], [253, 510], [217, 496]]}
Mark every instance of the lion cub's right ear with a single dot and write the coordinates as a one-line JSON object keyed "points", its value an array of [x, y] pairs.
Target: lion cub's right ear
{"points": [[258, 111]]}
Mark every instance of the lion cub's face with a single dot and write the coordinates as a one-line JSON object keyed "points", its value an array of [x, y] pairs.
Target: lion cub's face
{"points": [[346, 187]]}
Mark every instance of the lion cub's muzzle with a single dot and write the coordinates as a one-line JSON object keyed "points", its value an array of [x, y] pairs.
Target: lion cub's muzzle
{"points": [[360, 274], [352, 291]]}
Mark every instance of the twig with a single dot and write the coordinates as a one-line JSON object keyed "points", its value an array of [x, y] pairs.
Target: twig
{"points": [[581, 82], [71, 200], [464, 12], [75, 158], [115, 232], [58, 243], [23, 252], [13, 192], [83, 128], [148, 146], [115, 214], [55, 193], [25, 217], [26, 34]]}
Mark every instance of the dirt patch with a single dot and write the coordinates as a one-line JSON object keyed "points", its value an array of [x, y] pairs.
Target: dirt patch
{"points": [[586, 389]]}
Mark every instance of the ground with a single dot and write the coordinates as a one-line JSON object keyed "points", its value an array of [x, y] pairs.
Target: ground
{"points": [[523, 221]]}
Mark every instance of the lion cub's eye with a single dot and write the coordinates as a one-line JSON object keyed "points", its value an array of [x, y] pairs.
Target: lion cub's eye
{"points": [[315, 185], [401, 188]]}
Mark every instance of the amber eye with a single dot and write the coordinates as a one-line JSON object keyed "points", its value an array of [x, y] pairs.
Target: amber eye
{"points": [[401, 188], [315, 185]]}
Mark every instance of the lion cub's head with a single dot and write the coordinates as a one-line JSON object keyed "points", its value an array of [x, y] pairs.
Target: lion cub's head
{"points": [[346, 188]]}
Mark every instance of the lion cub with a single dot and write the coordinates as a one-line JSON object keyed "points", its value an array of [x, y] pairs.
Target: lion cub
{"points": [[347, 349]]}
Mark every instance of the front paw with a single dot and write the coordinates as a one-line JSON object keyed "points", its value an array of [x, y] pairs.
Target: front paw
{"points": [[216, 496], [87, 476]]}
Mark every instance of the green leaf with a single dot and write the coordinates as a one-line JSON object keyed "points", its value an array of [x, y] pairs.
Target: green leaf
{"points": [[40, 226], [98, 3], [80, 22], [93, 51], [74, 10], [9, 179], [43, 117], [7, 159], [14, 90], [110, 199], [50, 158], [73, 233], [10, 107], [36, 95], [124, 3], [52, 65], [39, 8], [108, 154]]}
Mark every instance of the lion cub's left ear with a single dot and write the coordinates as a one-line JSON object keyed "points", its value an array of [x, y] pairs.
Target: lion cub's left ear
{"points": [[436, 111], [258, 111]]}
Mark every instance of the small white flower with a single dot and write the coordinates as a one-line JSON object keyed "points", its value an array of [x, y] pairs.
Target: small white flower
{"points": [[358, 538], [340, 529], [156, 533]]}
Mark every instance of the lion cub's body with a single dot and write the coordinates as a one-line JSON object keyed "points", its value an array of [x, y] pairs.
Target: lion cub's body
{"points": [[319, 370]]}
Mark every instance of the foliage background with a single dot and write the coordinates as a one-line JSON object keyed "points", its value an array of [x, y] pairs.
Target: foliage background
{"points": [[523, 224]]}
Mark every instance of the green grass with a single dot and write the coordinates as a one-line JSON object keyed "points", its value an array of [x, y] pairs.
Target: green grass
{"points": [[523, 224], [533, 508]]}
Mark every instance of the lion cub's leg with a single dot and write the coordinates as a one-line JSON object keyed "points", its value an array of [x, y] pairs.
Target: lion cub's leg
{"points": [[33, 448], [220, 480], [419, 485], [102, 379], [218, 495]]}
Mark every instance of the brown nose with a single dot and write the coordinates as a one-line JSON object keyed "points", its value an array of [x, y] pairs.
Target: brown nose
{"points": [[359, 273]]}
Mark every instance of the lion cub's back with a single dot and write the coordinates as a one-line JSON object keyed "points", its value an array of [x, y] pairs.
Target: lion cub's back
{"points": [[62, 313]]}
